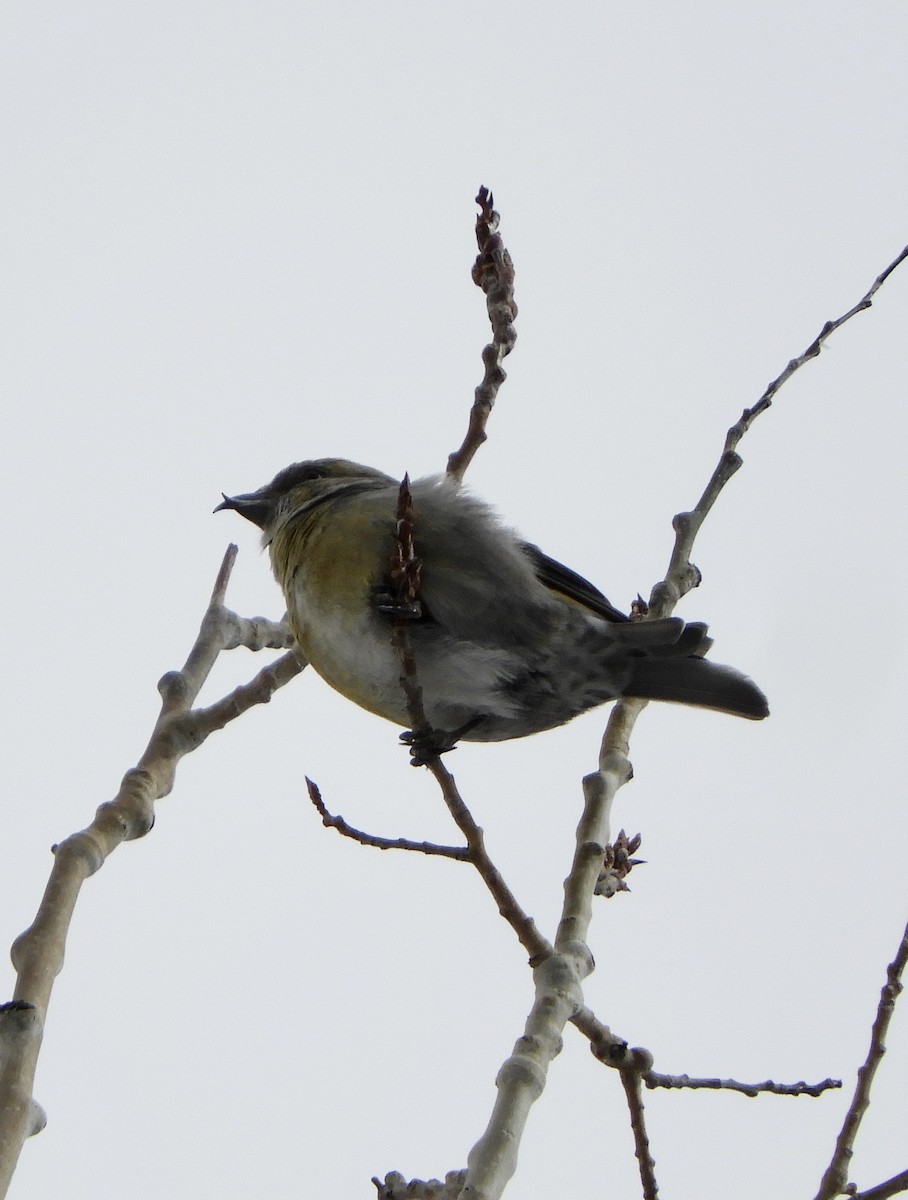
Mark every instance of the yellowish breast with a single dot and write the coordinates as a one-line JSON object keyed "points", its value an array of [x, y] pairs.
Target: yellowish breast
{"points": [[329, 563]]}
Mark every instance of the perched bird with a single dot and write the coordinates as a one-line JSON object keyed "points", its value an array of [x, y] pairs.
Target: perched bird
{"points": [[508, 642]]}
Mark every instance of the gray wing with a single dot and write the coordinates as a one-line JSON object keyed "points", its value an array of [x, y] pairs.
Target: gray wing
{"points": [[559, 578], [478, 583], [482, 584]]}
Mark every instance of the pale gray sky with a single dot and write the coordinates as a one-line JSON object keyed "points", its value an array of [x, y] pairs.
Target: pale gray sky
{"points": [[236, 235]]}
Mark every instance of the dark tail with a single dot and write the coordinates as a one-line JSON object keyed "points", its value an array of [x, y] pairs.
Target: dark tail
{"points": [[700, 682]]}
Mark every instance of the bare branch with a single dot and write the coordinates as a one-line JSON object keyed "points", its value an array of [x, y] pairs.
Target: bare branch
{"points": [[882, 1191], [520, 1081], [681, 576], [220, 630], [406, 574], [631, 1082], [523, 925], [37, 953], [219, 591], [835, 1178], [599, 790], [653, 1079], [559, 970], [614, 1052], [558, 977], [20, 1041], [607, 1047], [404, 604], [614, 766], [749, 415], [493, 271], [461, 853]]}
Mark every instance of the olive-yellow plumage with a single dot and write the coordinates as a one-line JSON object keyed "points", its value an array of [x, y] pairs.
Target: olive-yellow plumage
{"points": [[509, 642]]}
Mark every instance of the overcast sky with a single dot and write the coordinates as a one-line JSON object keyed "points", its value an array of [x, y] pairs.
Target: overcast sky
{"points": [[236, 235]]}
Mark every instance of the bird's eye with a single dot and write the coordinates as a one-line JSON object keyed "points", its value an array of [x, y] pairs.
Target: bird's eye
{"points": [[294, 475]]}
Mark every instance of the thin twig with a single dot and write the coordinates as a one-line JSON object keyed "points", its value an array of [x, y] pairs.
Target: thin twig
{"points": [[523, 925], [493, 271], [461, 853], [630, 1080], [882, 1191], [749, 415], [654, 1079], [681, 576], [614, 1052], [835, 1177], [406, 576]]}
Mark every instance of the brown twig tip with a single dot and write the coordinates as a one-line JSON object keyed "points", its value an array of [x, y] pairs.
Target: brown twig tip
{"points": [[403, 606], [492, 253], [487, 222], [493, 271], [330, 821], [406, 566]]}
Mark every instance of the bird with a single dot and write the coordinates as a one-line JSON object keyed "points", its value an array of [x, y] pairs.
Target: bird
{"points": [[506, 642]]}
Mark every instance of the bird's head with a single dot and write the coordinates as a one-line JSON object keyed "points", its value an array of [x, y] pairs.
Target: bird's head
{"points": [[300, 488]]}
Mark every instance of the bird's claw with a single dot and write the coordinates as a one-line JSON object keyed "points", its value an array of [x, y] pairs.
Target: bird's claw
{"points": [[392, 606], [428, 743], [425, 744]]}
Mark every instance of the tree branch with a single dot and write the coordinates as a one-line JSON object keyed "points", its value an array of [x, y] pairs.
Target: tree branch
{"points": [[559, 970], [882, 1191], [630, 1080], [461, 853], [37, 953], [835, 1178], [681, 575], [493, 271], [653, 1079], [524, 926], [558, 978]]}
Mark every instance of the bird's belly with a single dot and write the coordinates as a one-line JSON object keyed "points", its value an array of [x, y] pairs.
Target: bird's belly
{"points": [[350, 645], [353, 657], [460, 681]]}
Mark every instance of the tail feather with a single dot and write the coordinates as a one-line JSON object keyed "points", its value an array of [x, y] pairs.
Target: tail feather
{"points": [[699, 682], [668, 635], [638, 635]]}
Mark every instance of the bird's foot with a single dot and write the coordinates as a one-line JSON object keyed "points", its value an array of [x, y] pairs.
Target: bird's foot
{"points": [[389, 605], [428, 743]]}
